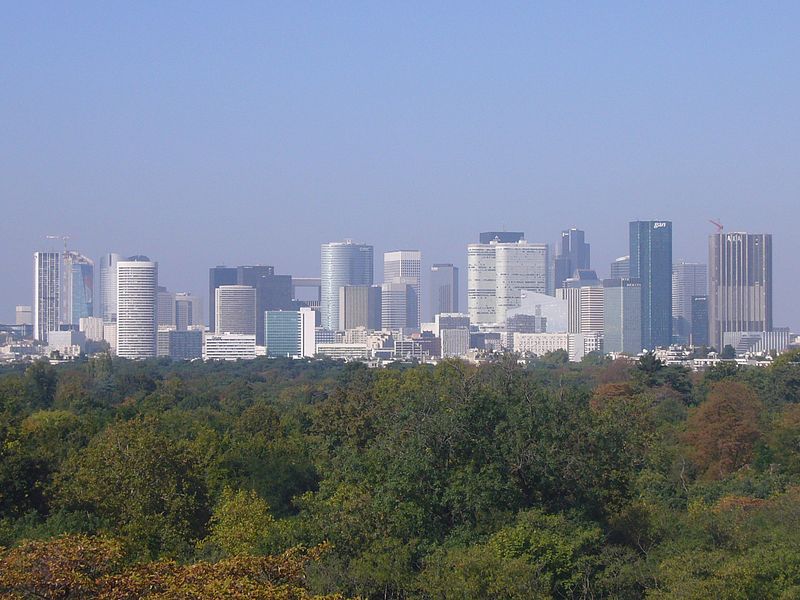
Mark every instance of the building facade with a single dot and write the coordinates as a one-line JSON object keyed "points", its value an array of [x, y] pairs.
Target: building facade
{"points": [[360, 306], [481, 283], [77, 296], [107, 288], [622, 317], [46, 293], [651, 265], [405, 266], [572, 253], [290, 333], [444, 289], [136, 332], [342, 263], [235, 309], [689, 279], [399, 308], [520, 266]]}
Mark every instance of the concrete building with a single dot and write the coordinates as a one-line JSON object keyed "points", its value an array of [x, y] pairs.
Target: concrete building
{"points": [[481, 283], [290, 333], [399, 308], [165, 312], [188, 311], [584, 296], [688, 280], [67, 343], [405, 266], [218, 276], [136, 332], [444, 289], [520, 266], [572, 253], [46, 294], [539, 344], [348, 352], [622, 317], [552, 310], [24, 315], [107, 289], [92, 328], [740, 290], [360, 306], [235, 309], [342, 263], [651, 264], [229, 346]]}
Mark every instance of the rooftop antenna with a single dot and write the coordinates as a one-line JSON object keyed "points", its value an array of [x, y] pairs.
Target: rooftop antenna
{"points": [[64, 238]]}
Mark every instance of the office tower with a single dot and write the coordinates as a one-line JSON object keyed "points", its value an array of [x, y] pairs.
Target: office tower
{"points": [[405, 266], [398, 306], [218, 276], [137, 282], [584, 296], [188, 310], [699, 331], [621, 268], [46, 293], [165, 300], [229, 346], [107, 290], [360, 306], [235, 307], [92, 328], [502, 237], [481, 283], [622, 316], [688, 280], [551, 310], [77, 296], [342, 263], [651, 264], [572, 254], [185, 345], [24, 315], [740, 290], [519, 266], [444, 289], [290, 332], [273, 292]]}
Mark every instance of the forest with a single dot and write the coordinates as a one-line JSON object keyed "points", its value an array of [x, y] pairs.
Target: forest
{"points": [[315, 479]]}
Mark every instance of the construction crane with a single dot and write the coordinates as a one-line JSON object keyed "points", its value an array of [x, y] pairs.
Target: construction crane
{"points": [[717, 224], [64, 238]]}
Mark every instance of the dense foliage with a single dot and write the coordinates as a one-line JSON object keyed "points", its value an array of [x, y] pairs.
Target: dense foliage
{"points": [[604, 479]]}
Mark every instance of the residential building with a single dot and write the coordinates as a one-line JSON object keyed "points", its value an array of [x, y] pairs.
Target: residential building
{"points": [[235, 309], [136, 331], [342, 263], [444, 289], [651, 265]]}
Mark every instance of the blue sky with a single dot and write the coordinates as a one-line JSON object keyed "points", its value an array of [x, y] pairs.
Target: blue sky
{"points": [[202, 134]]}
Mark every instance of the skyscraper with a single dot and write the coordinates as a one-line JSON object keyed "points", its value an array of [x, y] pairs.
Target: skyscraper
{"points": [[108, 287], [188, 310], [290, 332], [46, 293], [273, 292], [651, 264], [740, 291], [444, 289], [360, 306], [622, 318], [688, 280], [405, 266], [235, 307], [573, 253], [137, 281], [342, 263], [699, 333], [399, 308], [519, 266], [77, 297], [165, 312], [481, 283], [621, 268], [218, 276]]}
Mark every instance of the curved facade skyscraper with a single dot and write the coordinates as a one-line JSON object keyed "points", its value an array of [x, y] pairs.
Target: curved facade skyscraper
{"points": [[342, 263], [137, 281], [107, 295]]}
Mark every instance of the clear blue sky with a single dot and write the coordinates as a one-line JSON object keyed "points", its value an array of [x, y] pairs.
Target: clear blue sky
{"points": [[238, 132]]}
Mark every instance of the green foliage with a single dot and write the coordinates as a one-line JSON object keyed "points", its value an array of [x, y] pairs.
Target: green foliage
{"points": [[240, 524]]}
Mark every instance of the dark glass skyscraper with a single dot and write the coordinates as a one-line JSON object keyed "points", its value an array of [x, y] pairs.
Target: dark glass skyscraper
{"points": [[217, 276], [651, 264], [572, 254], [444, 289]]}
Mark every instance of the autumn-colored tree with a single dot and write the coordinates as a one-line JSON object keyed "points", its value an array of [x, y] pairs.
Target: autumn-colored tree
{"points": [[240, 523], [722, 431]]}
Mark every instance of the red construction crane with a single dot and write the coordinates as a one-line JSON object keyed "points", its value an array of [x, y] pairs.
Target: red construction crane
{"points": [[716, 224]]}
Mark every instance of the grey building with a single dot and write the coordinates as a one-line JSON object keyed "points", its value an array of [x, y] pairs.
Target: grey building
{"points": [[503, 237], [444, 289], [651, 264], [360, 306], [622, 318], [218, 276], [572, 253], [273, 292], [621, 268], [689, 279], [107, 288], [342, 263], [398, 306], [740, 290], [46, 293], [699, 331], [235, 310]]}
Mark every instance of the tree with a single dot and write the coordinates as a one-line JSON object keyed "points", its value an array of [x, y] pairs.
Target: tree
{"points": [[240, 524], [723, 430]]}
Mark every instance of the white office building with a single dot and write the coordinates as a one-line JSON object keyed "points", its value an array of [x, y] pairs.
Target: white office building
{"points": [[399, 306], [342, 263], [520, 266], [229, 346], [107, 291], [481, 283], [405, 266], [137, 281], [46, 293], [235, 309], [688, 280]]}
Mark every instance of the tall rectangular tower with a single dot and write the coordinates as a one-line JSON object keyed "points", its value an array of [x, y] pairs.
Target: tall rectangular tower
{"points": [[688, 280], [405, 266], [444, 289], [651, 265], [573, 253], [137, 306], [342, 263], [520, 266], [740, 294], [622, 322], [46, 293], [218, 276]]}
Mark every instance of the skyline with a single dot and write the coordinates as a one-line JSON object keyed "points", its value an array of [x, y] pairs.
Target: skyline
{"points": [[253, 134]]}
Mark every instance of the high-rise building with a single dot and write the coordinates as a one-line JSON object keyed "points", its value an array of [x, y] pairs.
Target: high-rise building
{"points": [[398, 306], [290, 332], [573, 253], [405, 266], [137, 282], [188, 310], [622, 316], [519, 266], [107, 291], [46, 293], [273, 292], [77, 296], [444, 289], [699, 333], [584, 295], [651, 264], [218, 276], [740, 290], [165, 301], [24, 315], [481, 283], [360, 306], [235, 307], [621, 268], [688, 280], [503, 237], [342, 263]]}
